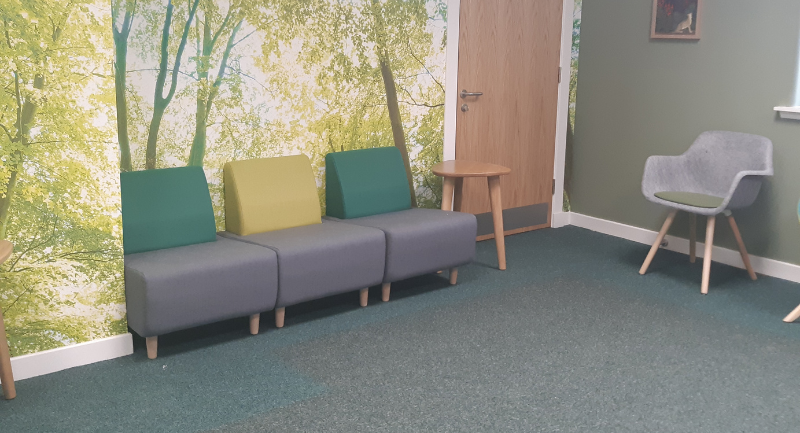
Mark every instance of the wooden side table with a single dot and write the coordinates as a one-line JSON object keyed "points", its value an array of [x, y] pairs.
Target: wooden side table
{"points": [[454, 173], [6, 375]]}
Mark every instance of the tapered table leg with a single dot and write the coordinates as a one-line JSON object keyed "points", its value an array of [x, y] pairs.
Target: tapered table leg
{"points": [[457, 197], [497, 218], [448, 185]]}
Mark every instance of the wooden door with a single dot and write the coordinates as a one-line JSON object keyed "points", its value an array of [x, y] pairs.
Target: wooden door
{"points": [[510, 51]]}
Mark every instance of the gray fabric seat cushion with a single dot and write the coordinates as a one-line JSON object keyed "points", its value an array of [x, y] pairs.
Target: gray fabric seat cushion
{"points": [[420, 241], [178, 288], [320, 260], [691, 199]]}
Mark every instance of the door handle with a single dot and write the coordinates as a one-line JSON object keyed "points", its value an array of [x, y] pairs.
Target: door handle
{"points": [[464, 94]]}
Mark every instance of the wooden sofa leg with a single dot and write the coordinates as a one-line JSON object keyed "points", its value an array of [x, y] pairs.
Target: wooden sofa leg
{"points": [[152, 347], [280, 314], [254, 321], [657, 243], [712, 219], [385, 291], [453, 275], [363, 297]]}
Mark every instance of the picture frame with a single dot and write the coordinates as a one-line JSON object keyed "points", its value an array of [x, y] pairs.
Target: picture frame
{"points": [[676, 19]]}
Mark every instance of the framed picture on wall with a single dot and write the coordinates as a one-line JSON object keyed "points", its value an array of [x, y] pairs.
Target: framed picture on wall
{"points": [[676, 19]]}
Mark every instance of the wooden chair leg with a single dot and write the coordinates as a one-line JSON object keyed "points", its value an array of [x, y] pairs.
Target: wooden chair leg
{"points": [[385, 291], [280, 315], [254, 321], [6, 374], [152, 347], [793, 315], [657, 243], [712, 219], [692, 238], [742, 249], [453, 275], [363, 297]]}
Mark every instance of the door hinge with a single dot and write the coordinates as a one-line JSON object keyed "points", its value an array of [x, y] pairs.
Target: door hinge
{"points": [[554, 187], [559, 74]]}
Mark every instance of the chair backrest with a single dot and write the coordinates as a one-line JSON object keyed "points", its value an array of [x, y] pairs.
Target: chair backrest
{"points": [[365, 182], [267, 194], [165, 208], [717, 157]]}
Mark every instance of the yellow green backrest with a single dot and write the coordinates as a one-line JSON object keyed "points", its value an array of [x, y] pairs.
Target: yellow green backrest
{"points": [[268, 194]]}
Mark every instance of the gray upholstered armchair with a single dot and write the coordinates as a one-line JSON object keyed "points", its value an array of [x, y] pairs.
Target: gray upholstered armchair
{"points": [[720, 171]]}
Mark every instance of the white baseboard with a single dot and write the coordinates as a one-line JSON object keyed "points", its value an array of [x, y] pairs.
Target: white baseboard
{"points": [[62, 358], [761, 265], [559, 219]]}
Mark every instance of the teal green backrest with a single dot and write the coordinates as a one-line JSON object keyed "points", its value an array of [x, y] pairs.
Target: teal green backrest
{"points": [[365, 182], [165, 208]]}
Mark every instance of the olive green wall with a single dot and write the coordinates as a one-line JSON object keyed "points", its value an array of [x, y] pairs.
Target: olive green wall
{"points": [[638, 97]]}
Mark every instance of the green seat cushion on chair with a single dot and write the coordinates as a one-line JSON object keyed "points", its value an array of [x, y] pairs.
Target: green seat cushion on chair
{"points": [[691, 199], [366, 182], [165, 208]]}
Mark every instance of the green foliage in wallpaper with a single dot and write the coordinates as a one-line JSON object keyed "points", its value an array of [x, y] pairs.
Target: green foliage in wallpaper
{"points": [[59, 199], [212, 81]]}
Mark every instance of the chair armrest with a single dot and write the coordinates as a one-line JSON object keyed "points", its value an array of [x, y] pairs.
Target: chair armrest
{"points": [[744, 189]]}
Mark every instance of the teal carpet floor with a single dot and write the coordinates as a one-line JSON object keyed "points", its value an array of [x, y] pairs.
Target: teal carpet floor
{"points": [[569, 339]]}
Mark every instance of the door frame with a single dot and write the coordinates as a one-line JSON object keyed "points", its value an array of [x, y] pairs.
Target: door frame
{"points": [[451, 99]]}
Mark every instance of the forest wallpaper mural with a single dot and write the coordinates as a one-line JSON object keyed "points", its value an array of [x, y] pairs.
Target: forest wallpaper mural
{"points": [[59, 186], [89, 89], [207, 82]]}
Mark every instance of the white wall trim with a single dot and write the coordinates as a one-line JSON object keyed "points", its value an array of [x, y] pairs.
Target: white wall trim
{"points": [[563, 110], [451, 79], [762, 265], [62, 358], [560, 219]]}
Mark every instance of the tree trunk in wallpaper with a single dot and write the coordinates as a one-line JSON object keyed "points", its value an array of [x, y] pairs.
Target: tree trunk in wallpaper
{"points": [[59, 201], [160, 101], [26, 110], [390, 87], [397, 123], [120, 71], [207, 93]]}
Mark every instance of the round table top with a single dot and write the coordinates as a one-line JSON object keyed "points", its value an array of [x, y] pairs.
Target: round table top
{"points": [[462, 168]]}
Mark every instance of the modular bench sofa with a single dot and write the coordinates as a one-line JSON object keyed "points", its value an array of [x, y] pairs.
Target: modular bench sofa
{"points": [[278, 250], [178, 273], [369, 188]]}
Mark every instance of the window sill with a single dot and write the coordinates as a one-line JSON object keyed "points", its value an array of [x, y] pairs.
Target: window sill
{"points": [[789, 112]]}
